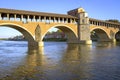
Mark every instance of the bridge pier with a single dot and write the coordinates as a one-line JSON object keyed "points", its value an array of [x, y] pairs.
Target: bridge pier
{"points": [[41, 44], [35, 45], [114, 40], [85, 42]]}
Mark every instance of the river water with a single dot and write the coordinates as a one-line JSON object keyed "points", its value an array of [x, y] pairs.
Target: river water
{"points": [[59, 61]]}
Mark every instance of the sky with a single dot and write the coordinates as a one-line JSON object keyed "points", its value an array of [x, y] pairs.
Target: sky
{"points": [[98, 9]]}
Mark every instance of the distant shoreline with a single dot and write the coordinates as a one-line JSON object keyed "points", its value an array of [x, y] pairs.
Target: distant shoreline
{"points": [[46, 40], [4, 39]]}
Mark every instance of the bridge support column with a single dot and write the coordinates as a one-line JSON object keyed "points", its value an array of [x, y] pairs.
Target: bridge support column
{"points": [[28, 18], [83, 25], [41, 44], [85, 42], [113, 40], [35, 45], [88, 42], [8, 17], [21, 17], [0, 16], [15, 17]]}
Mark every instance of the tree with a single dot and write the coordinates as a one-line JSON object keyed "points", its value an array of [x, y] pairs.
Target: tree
{"points": [[59, 31], [113, 20]]}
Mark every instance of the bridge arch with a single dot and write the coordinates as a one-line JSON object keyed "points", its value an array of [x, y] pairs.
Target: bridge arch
{"points": [[21, 29], [71, 34], [101, 34], [117, 35]]}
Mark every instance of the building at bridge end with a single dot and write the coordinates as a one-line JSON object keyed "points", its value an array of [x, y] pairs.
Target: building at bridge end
{"points": [[82, 24]]}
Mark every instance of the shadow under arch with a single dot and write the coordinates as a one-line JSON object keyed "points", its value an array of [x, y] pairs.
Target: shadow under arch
{"points": [[117, 36], [70, 33], [28, 36], [99, 35]]}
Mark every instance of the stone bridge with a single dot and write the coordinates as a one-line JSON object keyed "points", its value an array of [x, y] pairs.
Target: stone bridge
{"points": [[76, 25]]}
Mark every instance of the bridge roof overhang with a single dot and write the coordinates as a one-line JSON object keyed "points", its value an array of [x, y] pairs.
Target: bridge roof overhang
{"points": [[24, 12]]}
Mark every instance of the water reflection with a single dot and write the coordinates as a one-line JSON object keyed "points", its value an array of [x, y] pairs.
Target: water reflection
{"points": [[76, 52], [104, 44], [35, 57], [28, 66], [74, 61], [60, 61], [32, 50]]}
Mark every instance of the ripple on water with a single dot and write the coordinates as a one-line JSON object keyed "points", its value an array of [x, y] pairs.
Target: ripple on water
{"points": [[59, 61]]}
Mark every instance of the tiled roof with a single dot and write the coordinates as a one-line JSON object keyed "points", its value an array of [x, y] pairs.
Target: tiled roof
{"points": [[13, 11]]}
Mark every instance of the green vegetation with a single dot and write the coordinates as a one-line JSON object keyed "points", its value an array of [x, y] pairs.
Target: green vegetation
{"points": [[55, 36], [3, 39], [94, 36], [113, 20]]}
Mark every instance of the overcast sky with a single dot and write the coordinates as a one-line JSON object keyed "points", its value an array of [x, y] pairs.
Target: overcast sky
{"points": [[99, 9]]}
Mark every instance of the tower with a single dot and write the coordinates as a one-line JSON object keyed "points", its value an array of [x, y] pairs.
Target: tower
{"points": [[82, 25]]}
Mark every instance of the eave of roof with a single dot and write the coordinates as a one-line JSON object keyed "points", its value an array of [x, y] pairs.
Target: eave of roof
{"points": [[24, 12]]}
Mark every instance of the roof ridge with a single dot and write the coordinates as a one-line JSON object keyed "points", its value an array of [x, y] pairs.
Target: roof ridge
{"points": [[34, 12]]}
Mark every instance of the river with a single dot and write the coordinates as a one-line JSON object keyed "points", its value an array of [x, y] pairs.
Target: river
{"points": [[59, 61]]}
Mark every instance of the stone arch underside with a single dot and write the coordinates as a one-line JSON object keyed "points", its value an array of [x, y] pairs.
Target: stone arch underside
{"points": [[117, 36], [21, 29], [71, 35], [101, 35]]}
